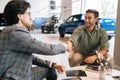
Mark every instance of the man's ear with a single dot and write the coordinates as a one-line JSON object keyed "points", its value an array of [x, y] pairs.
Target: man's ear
{"points": [[97, 19], [19, 16]]}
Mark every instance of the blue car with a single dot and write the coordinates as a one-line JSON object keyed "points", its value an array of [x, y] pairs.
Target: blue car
{"points": [[109, 24]]}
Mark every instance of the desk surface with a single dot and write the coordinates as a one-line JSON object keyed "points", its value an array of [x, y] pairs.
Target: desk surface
{"points": [[91, 74]]}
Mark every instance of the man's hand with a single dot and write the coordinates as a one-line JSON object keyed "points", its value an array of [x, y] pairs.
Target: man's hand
{"points": [[69, 46], [100, 56], [60, 68], [90, 59]]}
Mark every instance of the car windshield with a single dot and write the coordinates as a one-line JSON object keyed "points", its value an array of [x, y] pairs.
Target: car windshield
{"points": [[75, 18], [69, 19]]}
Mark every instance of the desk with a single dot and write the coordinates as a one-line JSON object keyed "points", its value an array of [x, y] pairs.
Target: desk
{"points": [[91, 74]]}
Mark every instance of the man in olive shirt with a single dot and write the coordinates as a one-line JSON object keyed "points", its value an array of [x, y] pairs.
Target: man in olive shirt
{"points": [[87, 39]]}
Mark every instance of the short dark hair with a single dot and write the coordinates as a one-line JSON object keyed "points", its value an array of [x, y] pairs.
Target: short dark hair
{"points": [[95, 12], [13, 8]]}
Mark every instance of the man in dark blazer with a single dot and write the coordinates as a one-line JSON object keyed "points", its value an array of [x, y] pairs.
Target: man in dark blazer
{"points": [[17, 46]]}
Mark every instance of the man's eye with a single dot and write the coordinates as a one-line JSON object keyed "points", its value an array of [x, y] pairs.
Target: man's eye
{"points": [[88, 17]]}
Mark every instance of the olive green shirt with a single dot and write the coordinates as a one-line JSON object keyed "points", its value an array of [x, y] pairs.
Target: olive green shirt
{"points": [[87, 43]]}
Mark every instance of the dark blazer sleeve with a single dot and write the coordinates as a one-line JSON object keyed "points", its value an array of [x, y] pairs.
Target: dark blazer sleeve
{"points": [[22, 41], [40, 62]]}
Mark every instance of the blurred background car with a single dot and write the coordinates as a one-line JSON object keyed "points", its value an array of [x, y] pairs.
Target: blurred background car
{"points": [[49, 25], [109, 24], [3, 22]]}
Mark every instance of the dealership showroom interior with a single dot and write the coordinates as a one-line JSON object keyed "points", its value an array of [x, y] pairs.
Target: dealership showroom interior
{"points": [[54, 22]]}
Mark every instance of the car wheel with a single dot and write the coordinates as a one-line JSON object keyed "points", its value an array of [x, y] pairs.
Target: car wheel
{"points": [[61, 32], [109, 37], [42, 29], [48, 29], [54, 31]]}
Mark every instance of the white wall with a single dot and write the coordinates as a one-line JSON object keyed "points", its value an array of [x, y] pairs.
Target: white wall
{"points": [[38, 7], [2, 5]]}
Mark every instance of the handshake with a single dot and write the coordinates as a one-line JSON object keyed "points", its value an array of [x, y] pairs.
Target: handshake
{"points": [[69, 46]]}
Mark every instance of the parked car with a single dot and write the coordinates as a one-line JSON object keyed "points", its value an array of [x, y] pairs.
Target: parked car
{"points": [[70, 24], [109, 24], [3, 22], [48, 26]]}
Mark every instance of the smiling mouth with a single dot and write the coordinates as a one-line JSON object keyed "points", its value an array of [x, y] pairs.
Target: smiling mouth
{"points": [[87, 24]]}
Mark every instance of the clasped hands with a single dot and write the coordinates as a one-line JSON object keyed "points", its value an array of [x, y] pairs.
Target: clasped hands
{"points": [[69, 46]]}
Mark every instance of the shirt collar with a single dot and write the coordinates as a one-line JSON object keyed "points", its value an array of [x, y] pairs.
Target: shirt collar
{"points": [[96, 27]]}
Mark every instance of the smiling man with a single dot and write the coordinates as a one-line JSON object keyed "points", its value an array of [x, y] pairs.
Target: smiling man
{"points": [[87, 39]]}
